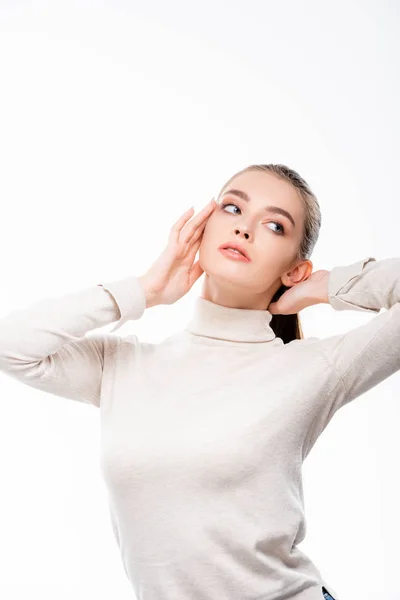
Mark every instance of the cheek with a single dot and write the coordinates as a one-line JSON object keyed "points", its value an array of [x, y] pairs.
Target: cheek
{"points": [[209, 238], [209, 228]]}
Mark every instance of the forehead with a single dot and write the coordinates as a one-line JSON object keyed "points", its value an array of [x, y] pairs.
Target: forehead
{"points": [[267, 188]]}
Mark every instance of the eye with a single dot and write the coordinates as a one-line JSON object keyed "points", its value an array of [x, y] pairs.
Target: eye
{"points": [[229, 204], [282, 232], [280, 225]]}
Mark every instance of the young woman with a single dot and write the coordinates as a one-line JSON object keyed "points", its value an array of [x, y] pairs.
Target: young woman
{"points": [[204, 434]]}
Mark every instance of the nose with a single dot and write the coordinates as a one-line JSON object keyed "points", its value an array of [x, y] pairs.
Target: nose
{"points": [[243, 232]]}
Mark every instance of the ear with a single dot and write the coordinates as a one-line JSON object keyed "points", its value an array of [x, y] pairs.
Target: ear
{"points": [[299, 273]]}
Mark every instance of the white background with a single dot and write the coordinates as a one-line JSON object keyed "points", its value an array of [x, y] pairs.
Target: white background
{"points": [[117, 116]]}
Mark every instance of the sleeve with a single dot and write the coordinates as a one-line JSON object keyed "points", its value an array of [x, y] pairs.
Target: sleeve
{"points": [[368, 354], [45, 345]]}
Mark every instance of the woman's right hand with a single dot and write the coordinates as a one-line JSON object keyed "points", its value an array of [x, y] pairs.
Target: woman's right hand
{"points": [[173, 273]]}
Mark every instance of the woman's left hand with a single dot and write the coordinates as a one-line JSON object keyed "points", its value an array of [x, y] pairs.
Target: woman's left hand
{"points": [[313, 290]]}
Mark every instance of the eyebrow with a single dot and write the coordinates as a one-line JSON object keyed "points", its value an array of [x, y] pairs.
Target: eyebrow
{"points": [[269, 208]]}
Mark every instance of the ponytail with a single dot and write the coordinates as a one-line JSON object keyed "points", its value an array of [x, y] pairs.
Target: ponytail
{"points": [[286, 327]]}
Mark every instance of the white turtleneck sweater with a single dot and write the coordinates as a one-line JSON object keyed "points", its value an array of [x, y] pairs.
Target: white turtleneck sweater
{"points": [[203, 435]]}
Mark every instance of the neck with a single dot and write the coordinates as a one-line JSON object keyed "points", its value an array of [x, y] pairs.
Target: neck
{"points": [[228, 295], [217, 321]]}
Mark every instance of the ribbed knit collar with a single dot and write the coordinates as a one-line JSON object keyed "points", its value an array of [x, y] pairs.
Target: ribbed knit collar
{"points": [[234, 324]]}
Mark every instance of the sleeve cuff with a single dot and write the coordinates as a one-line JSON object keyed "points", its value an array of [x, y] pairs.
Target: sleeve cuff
{"points": [[130, 297], [339, 277]]}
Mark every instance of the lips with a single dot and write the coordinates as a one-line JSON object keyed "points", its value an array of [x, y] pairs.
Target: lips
{"points": [[235, 246], [236, 250]]}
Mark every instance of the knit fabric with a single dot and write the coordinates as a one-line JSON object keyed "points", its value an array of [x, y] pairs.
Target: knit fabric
{"points": [[203, 435]]}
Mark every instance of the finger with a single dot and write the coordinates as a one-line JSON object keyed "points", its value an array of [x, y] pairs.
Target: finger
{"points": [[191, 227], [271, 308], [177, 226], [198, 232], [193, 249]]}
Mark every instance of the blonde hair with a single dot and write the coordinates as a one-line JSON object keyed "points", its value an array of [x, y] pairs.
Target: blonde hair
{"points": [[288, 327]]}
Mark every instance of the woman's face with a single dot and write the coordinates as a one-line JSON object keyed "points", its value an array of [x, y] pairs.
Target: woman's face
{"points": [[270, 239]]}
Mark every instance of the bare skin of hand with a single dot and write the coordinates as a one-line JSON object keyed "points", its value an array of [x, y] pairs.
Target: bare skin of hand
{"points": [[174, 272], [313, 290]]}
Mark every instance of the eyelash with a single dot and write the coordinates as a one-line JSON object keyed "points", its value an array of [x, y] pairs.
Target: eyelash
{"points": [[276, 222]]}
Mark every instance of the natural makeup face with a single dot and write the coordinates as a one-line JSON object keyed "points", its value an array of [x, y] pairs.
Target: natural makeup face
{"points": [[271, 239]]}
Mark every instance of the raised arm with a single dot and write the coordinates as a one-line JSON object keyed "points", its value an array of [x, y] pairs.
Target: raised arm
{"points": [[368, 354], [44, 345]]}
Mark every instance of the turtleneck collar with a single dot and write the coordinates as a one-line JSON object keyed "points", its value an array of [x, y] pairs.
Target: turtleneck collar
{"points": [[233, 324]]}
